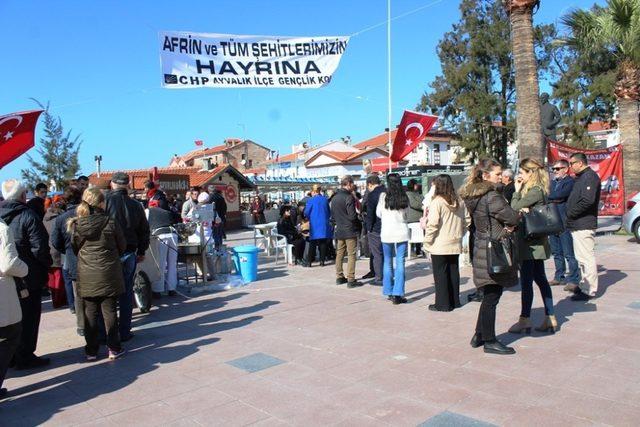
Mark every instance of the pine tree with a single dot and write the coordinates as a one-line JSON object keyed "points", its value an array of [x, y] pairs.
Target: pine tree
{"points": [[58, 152], [475, 94], [583, 90]]}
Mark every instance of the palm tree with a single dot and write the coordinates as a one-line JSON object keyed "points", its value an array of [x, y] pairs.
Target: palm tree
{"points": [[616, 29], [529, 129]]}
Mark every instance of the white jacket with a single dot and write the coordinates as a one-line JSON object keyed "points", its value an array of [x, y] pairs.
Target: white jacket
{"points": [[10, 266], [394, 227]]}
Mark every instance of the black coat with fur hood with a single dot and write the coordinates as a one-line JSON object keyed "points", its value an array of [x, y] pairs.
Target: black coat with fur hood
{"points": [[478, 197]]}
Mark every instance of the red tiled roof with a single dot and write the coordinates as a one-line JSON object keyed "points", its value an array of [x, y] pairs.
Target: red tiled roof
{"points": [[197, 177], [201, 152], [345, 156], [377, 141], [382, 139], [599, 126], [255, 170]]}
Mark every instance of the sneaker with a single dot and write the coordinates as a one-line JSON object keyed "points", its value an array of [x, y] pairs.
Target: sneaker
{"points": [[172, 293], [369, 275], [555, 282], [354, 284], [91, 358], [397, 299], [113, 355], [341, 281]]}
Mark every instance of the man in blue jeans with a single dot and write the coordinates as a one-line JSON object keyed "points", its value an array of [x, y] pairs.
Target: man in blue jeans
{"points": [[129, 214], [562, 244]]}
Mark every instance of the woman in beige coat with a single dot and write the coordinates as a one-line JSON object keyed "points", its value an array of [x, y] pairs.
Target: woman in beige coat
{"points": [[447, 222], [10, 313]]}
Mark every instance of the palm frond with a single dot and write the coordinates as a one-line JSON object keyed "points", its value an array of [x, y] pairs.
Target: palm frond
{"points": [[585, 30]]}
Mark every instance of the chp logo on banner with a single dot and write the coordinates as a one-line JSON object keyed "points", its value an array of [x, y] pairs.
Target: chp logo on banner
{"points": [[413, 128], [191, 60], [607, 163], [17, 134]]}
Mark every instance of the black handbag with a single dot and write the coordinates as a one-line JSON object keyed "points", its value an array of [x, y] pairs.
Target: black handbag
{"points": [[501, 252], [543, 220]]}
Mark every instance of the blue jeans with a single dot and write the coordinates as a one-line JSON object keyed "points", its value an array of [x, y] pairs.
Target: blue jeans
{"points": [[530, 270], [68, 288], [128, 261], [393, 279], [562, 249]]}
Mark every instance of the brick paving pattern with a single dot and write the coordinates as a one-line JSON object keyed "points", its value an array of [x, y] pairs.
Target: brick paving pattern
{"points": [[321, 354]]}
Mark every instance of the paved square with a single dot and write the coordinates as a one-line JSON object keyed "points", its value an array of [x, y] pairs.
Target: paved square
{"points": [[256, 362], [351, 357]]}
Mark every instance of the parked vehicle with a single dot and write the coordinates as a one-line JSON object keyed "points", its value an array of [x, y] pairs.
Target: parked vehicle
{"points": [[631, 219]]}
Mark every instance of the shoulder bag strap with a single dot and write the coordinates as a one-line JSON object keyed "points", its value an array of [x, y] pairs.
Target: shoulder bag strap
{"points": [[488, 215]]}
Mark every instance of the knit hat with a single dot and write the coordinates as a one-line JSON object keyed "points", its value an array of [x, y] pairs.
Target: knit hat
{"points": [[120, 178], [203, 198]]}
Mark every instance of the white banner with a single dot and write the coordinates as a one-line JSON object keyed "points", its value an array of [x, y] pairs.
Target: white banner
{"points": [[191, 60]]}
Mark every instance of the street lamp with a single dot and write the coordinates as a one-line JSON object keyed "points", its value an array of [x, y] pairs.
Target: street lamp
{"points": [[98, 160]]}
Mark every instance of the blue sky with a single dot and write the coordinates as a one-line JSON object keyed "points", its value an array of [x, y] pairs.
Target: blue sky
{"points": [[97, 62]]}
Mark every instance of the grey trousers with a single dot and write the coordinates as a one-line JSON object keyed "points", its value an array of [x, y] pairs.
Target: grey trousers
{"points": [[375, 248]]}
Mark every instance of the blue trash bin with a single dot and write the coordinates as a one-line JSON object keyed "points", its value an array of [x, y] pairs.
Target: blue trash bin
{"points": [[245, 259]]}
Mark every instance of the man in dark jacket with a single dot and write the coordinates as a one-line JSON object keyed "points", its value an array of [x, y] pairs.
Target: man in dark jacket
{"points": [[345, 217], [154, 193], [32, 243], [373, 224], [37, 201], [131, 218], [562, 244], [582, 221], [220, 205], [509, 185], [61, 241]]}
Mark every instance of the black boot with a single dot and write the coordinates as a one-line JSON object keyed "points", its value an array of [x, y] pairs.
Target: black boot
{"points": [[496, 347], [476, 340]]}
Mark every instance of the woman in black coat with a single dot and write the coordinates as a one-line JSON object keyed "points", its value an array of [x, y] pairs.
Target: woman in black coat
{"points": [[98, 242], [491, 214], [287, 228]]}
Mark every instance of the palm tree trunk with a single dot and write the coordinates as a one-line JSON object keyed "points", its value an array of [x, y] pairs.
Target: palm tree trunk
{"points": [[628, 125], [529, 129]]}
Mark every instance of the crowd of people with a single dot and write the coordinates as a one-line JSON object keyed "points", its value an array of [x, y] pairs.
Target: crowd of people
{"points": [[91, 239], [84, 246], [491, 208]]}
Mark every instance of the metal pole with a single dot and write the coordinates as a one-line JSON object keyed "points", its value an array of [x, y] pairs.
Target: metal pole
{"points": [[389, 80]]}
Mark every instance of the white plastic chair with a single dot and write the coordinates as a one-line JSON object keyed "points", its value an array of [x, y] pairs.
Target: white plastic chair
{"points": [[279, 243], [416, 235]]}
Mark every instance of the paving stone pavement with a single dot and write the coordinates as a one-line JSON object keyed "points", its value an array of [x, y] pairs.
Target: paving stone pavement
{"points": [[321, 354]]}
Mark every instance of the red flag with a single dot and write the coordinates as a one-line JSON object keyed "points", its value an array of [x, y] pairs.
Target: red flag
{"points": [[413, 128], [199, 142], [607, 163], [17, 134]]}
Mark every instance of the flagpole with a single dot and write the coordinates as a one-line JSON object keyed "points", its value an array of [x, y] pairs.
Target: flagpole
{"points": [[389, 81]]}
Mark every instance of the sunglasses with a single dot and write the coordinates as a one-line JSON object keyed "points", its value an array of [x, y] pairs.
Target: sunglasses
{"points": [[559, 168]]}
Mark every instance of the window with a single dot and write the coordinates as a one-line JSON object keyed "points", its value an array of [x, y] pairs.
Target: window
{"points": [[249, 163]]}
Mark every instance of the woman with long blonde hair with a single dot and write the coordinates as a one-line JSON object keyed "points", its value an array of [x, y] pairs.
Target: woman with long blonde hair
{"points": [[531, 188], [98, 242]]}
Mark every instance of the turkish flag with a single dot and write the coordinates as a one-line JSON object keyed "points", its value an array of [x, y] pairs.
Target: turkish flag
{"points": [[413, 128], [17, 134]]}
